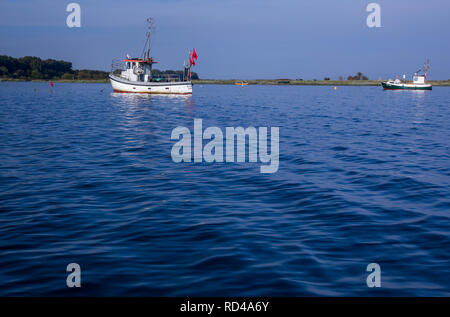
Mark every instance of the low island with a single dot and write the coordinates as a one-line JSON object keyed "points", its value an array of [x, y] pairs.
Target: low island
{"points": [[31, 68]]}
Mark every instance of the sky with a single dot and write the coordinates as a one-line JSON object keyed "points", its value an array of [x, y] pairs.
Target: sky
{"points": [[238, 39]]}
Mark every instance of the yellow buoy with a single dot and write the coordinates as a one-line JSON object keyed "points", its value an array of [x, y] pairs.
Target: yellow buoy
{"points": [[335, 88]]}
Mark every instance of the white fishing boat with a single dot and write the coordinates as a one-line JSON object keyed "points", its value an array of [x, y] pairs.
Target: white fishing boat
{"points": [[418, 82], [134, 75]]}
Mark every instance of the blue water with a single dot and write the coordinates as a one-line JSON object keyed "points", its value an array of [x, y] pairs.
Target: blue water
{"points": [[86, 176]]}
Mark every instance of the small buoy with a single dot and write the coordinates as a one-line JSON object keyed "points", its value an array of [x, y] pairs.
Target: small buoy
{"points": [[335, 88]]}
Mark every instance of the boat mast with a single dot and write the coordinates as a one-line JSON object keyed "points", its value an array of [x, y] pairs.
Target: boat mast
{"points": [[147, 46]]}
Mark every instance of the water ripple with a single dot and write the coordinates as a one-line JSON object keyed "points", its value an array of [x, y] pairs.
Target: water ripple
{"points": [[86, 176]]}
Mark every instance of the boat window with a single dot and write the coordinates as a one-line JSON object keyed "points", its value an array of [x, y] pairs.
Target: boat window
{"points": [[128, 64]]}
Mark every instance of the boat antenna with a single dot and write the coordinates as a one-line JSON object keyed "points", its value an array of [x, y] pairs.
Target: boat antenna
{"points": [[147, 45]]}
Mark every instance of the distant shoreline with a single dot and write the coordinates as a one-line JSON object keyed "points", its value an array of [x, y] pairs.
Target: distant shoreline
{"points": [[280, 82], [288, 82], [84, 81]]}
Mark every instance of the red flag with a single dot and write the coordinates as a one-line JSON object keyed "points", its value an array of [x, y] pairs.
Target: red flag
{"points": [[194, 54], [51, 84], [191, 60]]}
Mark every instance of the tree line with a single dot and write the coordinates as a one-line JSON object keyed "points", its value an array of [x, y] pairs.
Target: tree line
{"points": [[358, 76], [32, 67]]}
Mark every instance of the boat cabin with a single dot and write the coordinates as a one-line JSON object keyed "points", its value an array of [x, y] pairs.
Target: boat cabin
{"points": [[419, 79], [138, 69]]}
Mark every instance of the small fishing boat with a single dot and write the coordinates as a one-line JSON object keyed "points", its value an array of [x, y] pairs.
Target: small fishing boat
{"points": [[418, 82], [241, 83], [134, 75]]}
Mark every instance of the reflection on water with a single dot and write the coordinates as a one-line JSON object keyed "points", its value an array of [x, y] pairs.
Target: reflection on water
{"points": [[132, 100], [141, 114]]}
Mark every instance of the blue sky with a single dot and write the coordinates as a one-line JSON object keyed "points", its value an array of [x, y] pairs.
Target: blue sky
{"points": [[245, 39]]}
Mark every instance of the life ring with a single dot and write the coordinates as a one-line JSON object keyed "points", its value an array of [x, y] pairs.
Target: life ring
{"points": [[138, 70]]}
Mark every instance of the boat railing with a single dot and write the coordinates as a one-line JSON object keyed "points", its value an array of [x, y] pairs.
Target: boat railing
{"points": [[118, 68], [167, 78]]}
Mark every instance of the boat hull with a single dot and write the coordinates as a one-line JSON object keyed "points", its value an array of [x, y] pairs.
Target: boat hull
{"points": [[392, 86], [122, 85]]}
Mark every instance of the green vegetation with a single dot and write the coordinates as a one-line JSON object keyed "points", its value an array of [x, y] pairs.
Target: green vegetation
{"points": [[301, 82], [33, 68], [358, 76]]}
